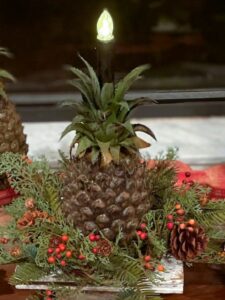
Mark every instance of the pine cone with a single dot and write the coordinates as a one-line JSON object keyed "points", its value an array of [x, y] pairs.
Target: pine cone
{"points": [[187, 243], [104, 248]]}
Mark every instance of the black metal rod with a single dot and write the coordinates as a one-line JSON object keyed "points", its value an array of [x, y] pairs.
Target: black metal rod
{"points": [[105, 56]]}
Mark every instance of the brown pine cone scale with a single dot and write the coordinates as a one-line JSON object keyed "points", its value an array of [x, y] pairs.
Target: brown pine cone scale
{"points": [[185, 244]]}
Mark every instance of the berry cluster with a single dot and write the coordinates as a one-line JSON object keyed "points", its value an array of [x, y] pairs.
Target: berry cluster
{"points": [[58, 253], [101, 246], [142, 232], [151, 265], [3, 240], [178, 217], [187, 180], [94, 238]]}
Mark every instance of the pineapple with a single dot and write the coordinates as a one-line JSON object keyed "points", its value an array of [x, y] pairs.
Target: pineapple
{"points": [[12, 138], [104, 183]]}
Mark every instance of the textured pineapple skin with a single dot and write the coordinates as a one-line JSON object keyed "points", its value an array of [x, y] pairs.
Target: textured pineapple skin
{"points": [[12, 138], [106, 199]]}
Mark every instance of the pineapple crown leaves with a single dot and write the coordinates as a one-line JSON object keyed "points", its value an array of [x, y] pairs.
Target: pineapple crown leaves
{"points": [[5, 75], [102, 122]]}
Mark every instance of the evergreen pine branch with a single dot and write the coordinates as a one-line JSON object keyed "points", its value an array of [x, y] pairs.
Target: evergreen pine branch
{"points": [[26, 273]]}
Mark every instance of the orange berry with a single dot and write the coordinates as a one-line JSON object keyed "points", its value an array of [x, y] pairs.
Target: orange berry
{"points": [[160, 268], [147, 258], [191, 222], [182, 226], [178, 206]]}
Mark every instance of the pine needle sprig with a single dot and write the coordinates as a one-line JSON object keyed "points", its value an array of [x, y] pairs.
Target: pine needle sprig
{"points": [[26, 273]]}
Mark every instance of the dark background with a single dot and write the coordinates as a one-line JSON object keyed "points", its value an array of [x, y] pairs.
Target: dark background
{"points": [[184, 40]]}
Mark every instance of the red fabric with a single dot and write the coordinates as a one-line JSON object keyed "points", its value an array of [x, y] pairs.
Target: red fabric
{"points": [[213, 177]]}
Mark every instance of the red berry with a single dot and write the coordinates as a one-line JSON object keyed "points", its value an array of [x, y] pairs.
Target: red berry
{"points": [[68, 254], [49, 298], [143, 226], [143, 236], [81, 257], [95, 250], [48, 292], [180, 219], [170, 225], [180, 212], [191, 182], [139, 232], [64, 238], [92, 237], [169, 217], [187, 174], [51, 259], [190, 229], [63, 263], [97, 237], [62, 247], [148, 266], [50, 250], [147, 258], [57, 250], [58, 256]]}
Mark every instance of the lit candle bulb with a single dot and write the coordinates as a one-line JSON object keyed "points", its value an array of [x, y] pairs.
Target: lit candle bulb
{"points": [[105, 27], [105, 47]]}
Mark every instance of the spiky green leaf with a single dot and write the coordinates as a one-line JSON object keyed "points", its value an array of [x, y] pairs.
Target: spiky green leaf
{"points": [[94, 82], [107, 93], [83, 145], [68, 129], [124, 85], [145, 129], [6, 75]]}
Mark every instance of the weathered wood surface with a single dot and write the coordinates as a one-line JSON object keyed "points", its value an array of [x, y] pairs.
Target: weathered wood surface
{"points": [[201, 282], [170, 282]]}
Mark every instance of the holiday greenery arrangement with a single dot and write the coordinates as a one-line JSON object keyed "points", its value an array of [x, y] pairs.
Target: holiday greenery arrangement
{"points": [[106, 216]]}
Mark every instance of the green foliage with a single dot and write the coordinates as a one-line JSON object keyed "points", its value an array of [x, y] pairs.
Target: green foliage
{"points": [[102, 120], [135, 294], [124, 267], [29, 180], [26, 273]]}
